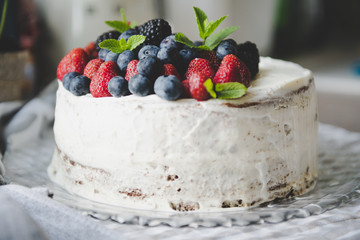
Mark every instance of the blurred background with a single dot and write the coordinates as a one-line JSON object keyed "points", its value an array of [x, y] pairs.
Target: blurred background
{"points": [[322, 35]]}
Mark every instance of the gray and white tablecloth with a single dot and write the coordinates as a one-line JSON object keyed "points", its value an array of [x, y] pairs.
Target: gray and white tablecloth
{"points": [[26, 211]]}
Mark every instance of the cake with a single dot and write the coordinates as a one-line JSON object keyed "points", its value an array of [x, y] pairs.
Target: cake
{"points": [[186, 154]]}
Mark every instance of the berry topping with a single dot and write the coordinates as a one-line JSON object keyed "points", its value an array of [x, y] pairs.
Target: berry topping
{"points": [[128, 33], [90, 49], [155, 31], [68, 78], [131, 69], [124, 58], [92, 67], [150, 67], [169, 55], [74, 61], [226, 47], [148, 50], [102, 53], [211, 57], [99, 84], [118, 87], [232, 70], [249, 54], [200, 65], [168, 87], [187, 54], [169, 42], [111, 56], [186, 87], [197, 88], [170, 69], [79, 85], [107, 35], [140, 85]]}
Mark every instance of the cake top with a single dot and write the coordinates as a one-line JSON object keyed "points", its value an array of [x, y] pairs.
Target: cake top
{"points": [[150, 59]]}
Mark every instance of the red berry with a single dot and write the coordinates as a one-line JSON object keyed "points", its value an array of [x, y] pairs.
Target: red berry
{"points": [[92, 67], [200, 65], [170, 69], [74, 61], [131, 69], [197, 88], [186, 92], [99, 84], [212, 58], [90, 49], [232, 69]]}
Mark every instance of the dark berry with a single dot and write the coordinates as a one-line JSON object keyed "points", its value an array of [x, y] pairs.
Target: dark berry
{"points": [[150, 67], [107, 35], [226, 48], [140, 85], [231, 41], [68, 78], [148, 50], [169, 42], [187, 54], [168, 87], [169, 55], [80, 85], [249, 54], [124, 58], [118, 87], [155, 31], [102, 53], [198, 43], [111, 56], [128, 33]]}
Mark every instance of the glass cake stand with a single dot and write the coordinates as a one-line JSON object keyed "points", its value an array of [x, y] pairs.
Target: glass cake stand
{"points": [[337, 185]]}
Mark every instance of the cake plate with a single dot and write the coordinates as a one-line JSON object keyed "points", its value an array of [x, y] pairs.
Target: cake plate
{"points": [[338, 183]]}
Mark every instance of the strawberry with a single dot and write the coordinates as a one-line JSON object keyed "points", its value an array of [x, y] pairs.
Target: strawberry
{"points": [[131, 69], [186, 86], [90, 49], [197, 88], [170, 69], [200, 65], [99, 84], [232, 69], [74, 61], [92, 67], [212, 58]]}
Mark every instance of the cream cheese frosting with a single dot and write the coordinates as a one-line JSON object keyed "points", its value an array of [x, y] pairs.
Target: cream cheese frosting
{"points": [[149, 153]]}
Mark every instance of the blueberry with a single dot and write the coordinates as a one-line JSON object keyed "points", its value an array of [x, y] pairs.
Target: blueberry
{"points": [[169, 55], [148, 50], [111, 56], [68, 78], [140, 85], [169, 42], [168, 87], [102, 53], [187, 54], [226, 47], [127, 34], [124, 58], [118, 87], [150, 67], [80, 85], [198, 43]]}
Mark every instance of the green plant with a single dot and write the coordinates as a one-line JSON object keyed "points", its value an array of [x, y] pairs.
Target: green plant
{"points": [[3, 16]]}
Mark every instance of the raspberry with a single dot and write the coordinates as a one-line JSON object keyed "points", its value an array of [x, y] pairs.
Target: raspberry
{"points": [[249, 54], [74, 61], [99, 84], [170, 69], [197, 88], [107, 35], [131, 69], [91, 51], [186, 91], [200, 65], [155, 31], [211, 57], [92, 67]]}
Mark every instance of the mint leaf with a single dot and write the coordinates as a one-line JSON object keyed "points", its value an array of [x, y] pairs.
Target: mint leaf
{"points": [[134, 41], [118, 25], [208, 84], [133, 24], [181, 38], [230, 90], [200, 19], [123, 45], [110, 44], [216, 38], [211, 28], [122, 13]]}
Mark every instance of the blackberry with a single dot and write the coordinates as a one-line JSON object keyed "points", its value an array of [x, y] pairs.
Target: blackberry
{"points": [[155, 31], [249, 54], [107, 35]]}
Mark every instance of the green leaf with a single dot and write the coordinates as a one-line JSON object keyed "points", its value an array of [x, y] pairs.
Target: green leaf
{"points": [[181, 38], [216, 38], [200, 19], [230, 90], [133, 24], [135, 41], [212, 27], [122, 12], [208, 84], [118, 25], [111, 44]]}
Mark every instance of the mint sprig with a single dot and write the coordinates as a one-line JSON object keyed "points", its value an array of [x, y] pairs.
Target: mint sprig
{"points": [[118, 46], [206, 29], [230, 90], [121, 26]]}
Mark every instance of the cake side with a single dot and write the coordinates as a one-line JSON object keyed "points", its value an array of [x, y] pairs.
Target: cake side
{"points": [[188, 155]]}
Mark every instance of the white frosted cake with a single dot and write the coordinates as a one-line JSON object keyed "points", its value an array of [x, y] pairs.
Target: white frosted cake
{"points": [[149, 153]]}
